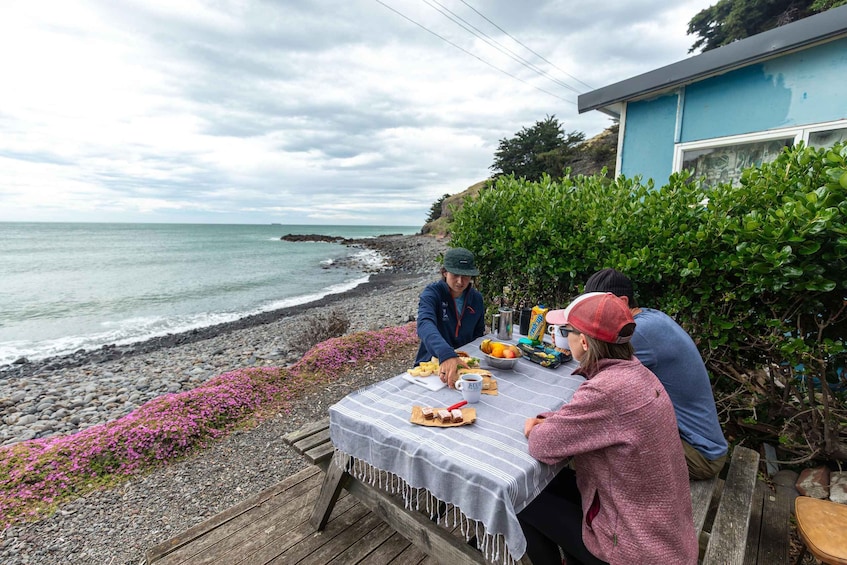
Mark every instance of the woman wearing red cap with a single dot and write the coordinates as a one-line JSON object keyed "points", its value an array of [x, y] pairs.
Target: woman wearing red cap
{"points": [[628, 499]]}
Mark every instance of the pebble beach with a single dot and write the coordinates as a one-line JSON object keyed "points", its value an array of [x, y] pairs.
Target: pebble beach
{"points": [[60, 396]]}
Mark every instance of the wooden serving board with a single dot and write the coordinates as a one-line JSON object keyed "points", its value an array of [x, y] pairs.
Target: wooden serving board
{"points": [[468, 417]]}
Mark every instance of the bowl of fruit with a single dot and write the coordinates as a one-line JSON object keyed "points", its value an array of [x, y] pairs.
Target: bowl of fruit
{"points": [[500, 355]]}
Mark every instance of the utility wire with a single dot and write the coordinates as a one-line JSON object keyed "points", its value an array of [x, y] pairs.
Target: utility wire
{"points": [[472, 55], [494, 43], [524, 46]]}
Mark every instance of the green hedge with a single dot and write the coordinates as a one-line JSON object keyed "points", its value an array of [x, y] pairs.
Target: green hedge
{"points": [[755, 272]]}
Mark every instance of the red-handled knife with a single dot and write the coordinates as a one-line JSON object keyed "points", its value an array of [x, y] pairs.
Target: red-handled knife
{"points": [[457, 405]]}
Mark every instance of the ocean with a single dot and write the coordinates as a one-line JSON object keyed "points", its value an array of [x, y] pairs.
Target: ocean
{"points": [[71, 286]]}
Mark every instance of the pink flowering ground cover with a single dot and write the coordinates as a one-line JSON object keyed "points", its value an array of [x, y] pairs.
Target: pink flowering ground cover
{"points": [[38, 475]]}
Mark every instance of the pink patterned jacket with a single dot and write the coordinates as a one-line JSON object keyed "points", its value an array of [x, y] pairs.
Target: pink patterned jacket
{"points": [[621, 431]]}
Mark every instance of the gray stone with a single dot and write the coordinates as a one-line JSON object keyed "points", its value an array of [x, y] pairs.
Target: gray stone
{"points": [[27, 419], [12, 419], [814, 482], [26, 435], [838, 487]]}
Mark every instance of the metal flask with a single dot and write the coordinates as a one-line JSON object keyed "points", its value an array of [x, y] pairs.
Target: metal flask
{"points": [[504, 323]]}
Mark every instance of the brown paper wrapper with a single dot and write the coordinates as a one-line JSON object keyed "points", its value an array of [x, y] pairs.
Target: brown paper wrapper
{"points": [[492, 386], [468, 417]]}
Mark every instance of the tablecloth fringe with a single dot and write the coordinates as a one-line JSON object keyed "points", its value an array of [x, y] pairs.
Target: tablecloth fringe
{"points": [[493, 547]]}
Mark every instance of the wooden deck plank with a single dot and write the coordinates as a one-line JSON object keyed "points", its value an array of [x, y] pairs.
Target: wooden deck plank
{"points": [[278, 544], [395, 549], [414, 526], [242, 525], [312, 543], [253, 506], [248, 540], [273, 527], [774, 539], [751, 556], [361, 548], [345, 540], [239, 531], [253, 539]]}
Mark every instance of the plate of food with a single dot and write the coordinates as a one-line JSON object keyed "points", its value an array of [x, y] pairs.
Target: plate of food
{"points": [[449, 417], [500, 355]]}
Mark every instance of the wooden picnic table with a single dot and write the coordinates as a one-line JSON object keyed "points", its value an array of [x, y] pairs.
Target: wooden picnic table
{"points": [[483, 471]]}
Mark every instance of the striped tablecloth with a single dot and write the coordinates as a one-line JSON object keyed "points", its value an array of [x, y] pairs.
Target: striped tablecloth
{"points": [[484, 468]]}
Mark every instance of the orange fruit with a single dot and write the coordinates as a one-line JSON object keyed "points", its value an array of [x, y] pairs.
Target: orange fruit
{"points": [[497, 349]]}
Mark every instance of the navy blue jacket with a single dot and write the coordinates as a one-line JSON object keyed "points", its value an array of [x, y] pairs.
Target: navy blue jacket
{"points": [[442, 329]]}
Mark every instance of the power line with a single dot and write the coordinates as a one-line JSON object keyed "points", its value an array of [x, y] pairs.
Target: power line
{"points": [[494, 43], [472, 55], [524, 46]]}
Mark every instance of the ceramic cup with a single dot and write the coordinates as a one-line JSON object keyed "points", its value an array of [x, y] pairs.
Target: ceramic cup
{"points": [[471, 386], [559, 340]]}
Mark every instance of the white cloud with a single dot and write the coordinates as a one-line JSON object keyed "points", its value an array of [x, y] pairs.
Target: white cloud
{"points": [[291, 111]]}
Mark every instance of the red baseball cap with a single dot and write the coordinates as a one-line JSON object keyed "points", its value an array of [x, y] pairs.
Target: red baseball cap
{"points": [[600, 315]]}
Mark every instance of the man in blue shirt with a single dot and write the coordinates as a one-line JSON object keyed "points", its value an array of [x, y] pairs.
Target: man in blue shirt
{"points": [[666, 349]]}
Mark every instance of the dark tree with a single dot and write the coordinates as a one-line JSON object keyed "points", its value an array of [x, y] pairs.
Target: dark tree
{"points": [[435, 209], [543, 148], [731, 20]]}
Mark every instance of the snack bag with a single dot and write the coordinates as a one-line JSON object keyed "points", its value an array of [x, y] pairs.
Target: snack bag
{"points": [[537, 323]]}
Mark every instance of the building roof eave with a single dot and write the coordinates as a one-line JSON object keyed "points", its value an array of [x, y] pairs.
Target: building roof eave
{"points": [[813, 30]]}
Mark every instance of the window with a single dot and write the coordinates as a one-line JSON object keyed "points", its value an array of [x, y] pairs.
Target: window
{"points": [[827, 138], [724, 164], [722, 160]]}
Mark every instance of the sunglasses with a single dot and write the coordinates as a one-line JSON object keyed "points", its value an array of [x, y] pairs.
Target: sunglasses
{"points": [[565, 331]]}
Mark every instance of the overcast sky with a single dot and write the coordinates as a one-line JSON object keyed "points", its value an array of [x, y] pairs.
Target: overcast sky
{"points": [[295, 111]]}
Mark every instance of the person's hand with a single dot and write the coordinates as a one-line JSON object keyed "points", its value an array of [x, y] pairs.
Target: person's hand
{"points": [[449, 370], [529, 424]]}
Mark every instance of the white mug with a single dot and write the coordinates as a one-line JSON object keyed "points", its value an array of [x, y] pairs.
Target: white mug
{"points": [[471, 386], [559, 340]]}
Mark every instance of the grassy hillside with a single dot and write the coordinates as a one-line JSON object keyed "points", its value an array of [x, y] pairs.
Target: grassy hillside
{"points": [[596, 153]]}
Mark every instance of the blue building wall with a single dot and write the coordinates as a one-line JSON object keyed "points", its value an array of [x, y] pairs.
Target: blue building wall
{"points": [[797, 89], [648, 141]]}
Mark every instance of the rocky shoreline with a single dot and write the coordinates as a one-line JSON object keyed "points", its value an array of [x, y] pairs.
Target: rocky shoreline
{"points": [[60, 396]]}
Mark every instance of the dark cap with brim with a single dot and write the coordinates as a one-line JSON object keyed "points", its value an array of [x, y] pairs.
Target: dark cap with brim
{"points": [[611, 280], [460, 261]]}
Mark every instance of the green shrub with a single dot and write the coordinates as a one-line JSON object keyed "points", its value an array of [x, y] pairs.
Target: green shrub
{"points": [[757, 273]]}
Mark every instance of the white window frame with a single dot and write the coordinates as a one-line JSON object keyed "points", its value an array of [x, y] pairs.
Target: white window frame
{"points": [[800, 133]]}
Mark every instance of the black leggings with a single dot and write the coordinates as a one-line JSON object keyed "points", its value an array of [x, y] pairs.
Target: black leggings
{"points": [[554, 520]]}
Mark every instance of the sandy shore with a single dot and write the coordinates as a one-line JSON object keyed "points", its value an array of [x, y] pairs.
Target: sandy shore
{"points": [[118, 525]]}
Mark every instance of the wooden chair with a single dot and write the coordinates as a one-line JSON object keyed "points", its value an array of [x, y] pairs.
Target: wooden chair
{"points": [[822, 525]]}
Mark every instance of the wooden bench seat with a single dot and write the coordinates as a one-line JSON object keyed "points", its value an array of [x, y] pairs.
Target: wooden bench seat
{"points": [[723, 539], [312, 441]]}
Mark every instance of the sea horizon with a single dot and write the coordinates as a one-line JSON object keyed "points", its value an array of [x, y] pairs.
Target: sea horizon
{"points": [[67, 286]]}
